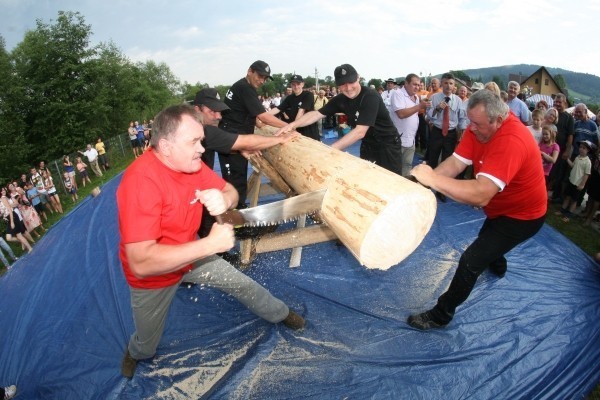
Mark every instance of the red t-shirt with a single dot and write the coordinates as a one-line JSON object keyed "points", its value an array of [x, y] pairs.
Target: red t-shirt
{"points": [[512, 156], [154, 204]]}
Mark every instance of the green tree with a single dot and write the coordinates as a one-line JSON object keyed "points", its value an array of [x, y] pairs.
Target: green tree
{"points": [[376, 82], [560, 81], [14, 151], [499, 81], [51, 70], [461, 75]]}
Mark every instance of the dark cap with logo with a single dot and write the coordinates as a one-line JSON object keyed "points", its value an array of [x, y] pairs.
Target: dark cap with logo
{"points": [[345, 73], [210, 98], [297, 78], [261, 68]]}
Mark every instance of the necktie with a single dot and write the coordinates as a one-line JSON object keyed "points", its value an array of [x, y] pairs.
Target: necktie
{"points": [[446, 120]]}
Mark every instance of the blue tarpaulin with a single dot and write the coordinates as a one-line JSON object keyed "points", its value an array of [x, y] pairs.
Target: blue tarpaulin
{"points": [[534, 334]]}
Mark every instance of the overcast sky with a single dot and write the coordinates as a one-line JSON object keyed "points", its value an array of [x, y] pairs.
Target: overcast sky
{"points": [[215, 42]]}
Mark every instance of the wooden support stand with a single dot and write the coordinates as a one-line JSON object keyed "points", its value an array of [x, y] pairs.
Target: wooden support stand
{"points": [[379, 216]]}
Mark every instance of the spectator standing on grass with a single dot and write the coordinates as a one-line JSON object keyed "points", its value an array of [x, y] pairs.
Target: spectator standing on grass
{"points": [[132, 132], [71, 189], [549, 151], [581, 168], [31, 218], [8, 251], [38, 181], [102, 157], [82, 168], [34, 196], [15, 227], [565, 130], [70, 169], [52, 193], [92, 156]]}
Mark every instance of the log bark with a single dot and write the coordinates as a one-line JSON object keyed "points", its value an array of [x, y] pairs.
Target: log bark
{"points": [[379, 216]]}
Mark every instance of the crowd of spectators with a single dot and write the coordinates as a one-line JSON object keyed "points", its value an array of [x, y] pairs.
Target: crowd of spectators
{"points": [[26, 202]]}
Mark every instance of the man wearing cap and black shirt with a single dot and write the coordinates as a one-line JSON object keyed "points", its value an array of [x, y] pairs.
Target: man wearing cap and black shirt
{"points": [[244, 109], [210, 106], [296, 105], [368, 117]]}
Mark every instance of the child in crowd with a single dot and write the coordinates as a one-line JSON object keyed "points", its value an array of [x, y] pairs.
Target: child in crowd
{"points": [[549, 150], [34, 196], [71, 189], [580, 171], [82, 168], [537, 117]]}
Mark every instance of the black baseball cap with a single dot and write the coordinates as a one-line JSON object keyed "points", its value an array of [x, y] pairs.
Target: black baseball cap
{"points": [[345, 73], [210, 98], [297, 78], [262, 68]]}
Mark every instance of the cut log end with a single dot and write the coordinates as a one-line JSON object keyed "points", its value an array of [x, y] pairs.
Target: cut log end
{"points": [[398, 230]]}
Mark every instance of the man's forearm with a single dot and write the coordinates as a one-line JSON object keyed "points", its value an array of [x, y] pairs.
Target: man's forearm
{"points": [[271, 120], [307, 119]]}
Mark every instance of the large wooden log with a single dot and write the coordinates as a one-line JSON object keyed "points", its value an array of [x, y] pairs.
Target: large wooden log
{"points": [[380, 217]]}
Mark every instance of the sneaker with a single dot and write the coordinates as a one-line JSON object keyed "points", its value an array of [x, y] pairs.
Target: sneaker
{"points": [[10, 392], [424, 321], [294, 321], [128, 365]]}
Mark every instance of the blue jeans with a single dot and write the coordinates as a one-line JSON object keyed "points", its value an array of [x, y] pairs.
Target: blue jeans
{"points": [[6, 248]]}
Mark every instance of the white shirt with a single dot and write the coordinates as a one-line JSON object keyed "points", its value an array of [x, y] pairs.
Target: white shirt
{"points": [[407, 127], [91, 154]]}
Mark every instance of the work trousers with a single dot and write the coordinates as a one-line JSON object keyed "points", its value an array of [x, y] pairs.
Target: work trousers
{"points": [[234, 169], [496, 238], [386, 153], [150, 306]]}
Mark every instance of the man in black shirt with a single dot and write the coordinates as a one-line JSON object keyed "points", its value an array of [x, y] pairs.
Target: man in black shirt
{"points": [[296, 105], [368, 117], [244, 108]]}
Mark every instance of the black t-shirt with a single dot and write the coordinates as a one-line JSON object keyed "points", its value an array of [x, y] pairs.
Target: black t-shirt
{"points": [[290, 106], [218, 140], [242, 99], [365, 109], [565, 127]]}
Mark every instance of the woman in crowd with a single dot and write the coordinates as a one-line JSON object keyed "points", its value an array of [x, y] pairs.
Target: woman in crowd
{"points": [[70, 169], [31, 218], [15, 227], [51, 191]]}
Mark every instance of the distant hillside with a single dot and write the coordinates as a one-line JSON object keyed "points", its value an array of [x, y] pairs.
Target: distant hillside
{"points": [[586, 85]]}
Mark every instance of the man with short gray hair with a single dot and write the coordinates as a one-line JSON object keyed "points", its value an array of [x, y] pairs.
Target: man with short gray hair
{"points": [[509, 185], [516, 105]]}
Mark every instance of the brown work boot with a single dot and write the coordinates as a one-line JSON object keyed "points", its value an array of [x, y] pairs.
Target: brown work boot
{"points": [[294, 321], [128, 365]]}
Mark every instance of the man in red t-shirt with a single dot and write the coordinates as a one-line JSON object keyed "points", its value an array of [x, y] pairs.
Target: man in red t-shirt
{"points": [[509, 185], [160, 202]]}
